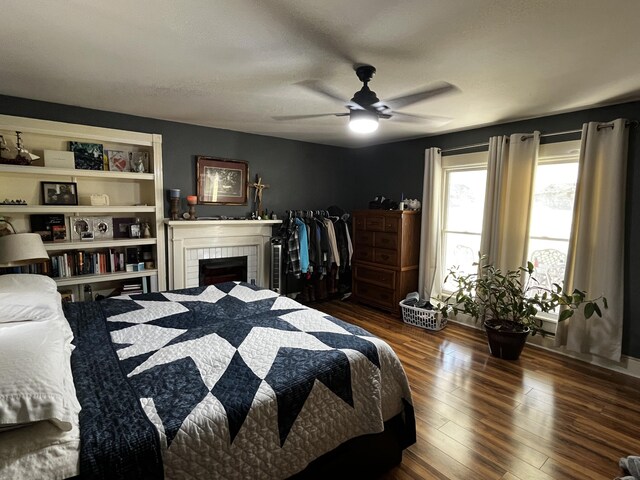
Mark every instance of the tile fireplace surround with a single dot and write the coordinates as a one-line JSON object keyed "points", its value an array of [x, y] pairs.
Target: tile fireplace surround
{"points": [[191, 241]]}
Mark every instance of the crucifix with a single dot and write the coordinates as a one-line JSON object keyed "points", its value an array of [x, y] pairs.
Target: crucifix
{"points": [[257, 199]]}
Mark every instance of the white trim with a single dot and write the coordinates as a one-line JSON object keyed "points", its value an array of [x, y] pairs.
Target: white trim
{"points": [[209, 235]]}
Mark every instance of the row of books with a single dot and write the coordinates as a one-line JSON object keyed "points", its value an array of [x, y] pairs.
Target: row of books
{"points": [[80, 262], [134, 288]]}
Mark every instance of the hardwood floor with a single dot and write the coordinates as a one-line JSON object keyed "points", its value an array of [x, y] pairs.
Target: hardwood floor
{"points": [[544, 416]]}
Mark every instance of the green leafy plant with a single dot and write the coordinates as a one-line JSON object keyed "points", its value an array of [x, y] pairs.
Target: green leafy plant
{"points": [[511, 300]]}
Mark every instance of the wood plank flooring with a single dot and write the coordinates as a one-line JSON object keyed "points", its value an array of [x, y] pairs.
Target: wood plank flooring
{"points": [[544, 416]]}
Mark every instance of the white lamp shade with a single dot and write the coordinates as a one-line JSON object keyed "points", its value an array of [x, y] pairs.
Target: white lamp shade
{"points": [[363, 121], [22, 249]]}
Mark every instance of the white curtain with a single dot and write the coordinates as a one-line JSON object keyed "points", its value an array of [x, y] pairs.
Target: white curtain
{"points": [[429, 267], [595, 261], [509, 195]]}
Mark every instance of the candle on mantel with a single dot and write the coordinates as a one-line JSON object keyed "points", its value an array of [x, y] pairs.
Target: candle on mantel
{"points": [[192, 199]]}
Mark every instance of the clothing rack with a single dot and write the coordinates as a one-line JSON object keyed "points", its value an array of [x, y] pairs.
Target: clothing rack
{"points": [[629, 123]]}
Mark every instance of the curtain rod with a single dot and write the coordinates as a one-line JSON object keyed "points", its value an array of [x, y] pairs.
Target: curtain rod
{"points": [[554, 134]]}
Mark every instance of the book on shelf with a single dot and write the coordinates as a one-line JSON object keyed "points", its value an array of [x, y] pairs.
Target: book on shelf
{"points": [[82, 262], [132, 288]]}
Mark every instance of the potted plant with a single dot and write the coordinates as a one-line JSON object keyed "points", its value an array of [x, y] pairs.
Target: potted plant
{"points": [[508, 304]]}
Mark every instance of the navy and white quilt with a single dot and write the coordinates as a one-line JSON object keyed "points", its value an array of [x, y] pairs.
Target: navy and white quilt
{"points": [[227, 381]]}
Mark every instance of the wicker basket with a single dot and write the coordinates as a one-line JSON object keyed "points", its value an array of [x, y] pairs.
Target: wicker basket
{"points": [[429, 319]]}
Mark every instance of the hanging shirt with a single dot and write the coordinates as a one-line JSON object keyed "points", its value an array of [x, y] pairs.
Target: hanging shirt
{"points": [[303, 245], [293, 247], [349, 244], [333, 243]]}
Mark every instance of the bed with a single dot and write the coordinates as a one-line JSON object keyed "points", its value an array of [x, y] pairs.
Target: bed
{"points": [[226, 381]]}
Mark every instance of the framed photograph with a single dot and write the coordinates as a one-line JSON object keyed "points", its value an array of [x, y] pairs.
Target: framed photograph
{"points": [[102, 228], [134, 230], [80, 225], [222, 182], [119, 161], [121, 227], [140, 162], [59, 193], [88, 156], [59, 233]]}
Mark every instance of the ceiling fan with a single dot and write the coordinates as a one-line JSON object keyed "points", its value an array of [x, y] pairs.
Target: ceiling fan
{"points": [[365, 108]]}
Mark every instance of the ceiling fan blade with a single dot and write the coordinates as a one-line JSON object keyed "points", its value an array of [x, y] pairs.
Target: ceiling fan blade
{"points": [[306, 30], [433, 91], [318, 87], [435, 120], [302, 117]]}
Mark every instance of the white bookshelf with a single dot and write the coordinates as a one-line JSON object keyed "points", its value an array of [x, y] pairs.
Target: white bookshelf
{"points": [[131, 194]]}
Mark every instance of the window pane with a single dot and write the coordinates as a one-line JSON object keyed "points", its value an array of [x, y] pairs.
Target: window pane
{"points": [[549, 258], [465, 200], [460, 250], [553, 200]]}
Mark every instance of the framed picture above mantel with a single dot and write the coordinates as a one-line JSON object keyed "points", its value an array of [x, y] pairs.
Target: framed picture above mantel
{"points": [[222, 181]]}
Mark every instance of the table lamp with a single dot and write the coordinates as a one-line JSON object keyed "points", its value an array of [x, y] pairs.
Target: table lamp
{"points": [[20, 249]]}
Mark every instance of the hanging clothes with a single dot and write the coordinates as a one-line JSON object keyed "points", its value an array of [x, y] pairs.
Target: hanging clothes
{"points": [[334, 254], [303, 245]]}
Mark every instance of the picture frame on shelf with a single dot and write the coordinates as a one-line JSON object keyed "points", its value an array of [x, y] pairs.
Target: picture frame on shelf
{"points": [[119, 160], [134, 230], [121, 227], [59, 193], [78, 226], [102, 228], [222, 181], [88, 156], [140, 162]]}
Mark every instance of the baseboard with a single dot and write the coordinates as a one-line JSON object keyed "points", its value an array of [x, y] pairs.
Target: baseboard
{"points": [[627, 365]]}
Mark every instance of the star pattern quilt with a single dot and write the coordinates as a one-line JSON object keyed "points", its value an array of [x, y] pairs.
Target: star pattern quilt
{"points": [[228, 381]]}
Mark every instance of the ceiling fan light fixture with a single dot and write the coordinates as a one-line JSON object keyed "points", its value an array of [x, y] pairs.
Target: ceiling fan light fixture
{"points": [[363, 121]]}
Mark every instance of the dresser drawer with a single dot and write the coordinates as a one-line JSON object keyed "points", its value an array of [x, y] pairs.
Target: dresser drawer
{"points": [[375, 223], [378, 276], [364, 238], [359, 223], [363, 253], [391, 224], [386, 240], [374, 294], [384, 256]]}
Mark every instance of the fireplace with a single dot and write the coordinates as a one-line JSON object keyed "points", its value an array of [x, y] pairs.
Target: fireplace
{"points": [[219, 270], [190, 242]]}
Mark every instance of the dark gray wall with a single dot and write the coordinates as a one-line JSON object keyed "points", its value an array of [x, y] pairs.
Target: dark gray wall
{"points": [[393, 168], [301, 175], [305, 175]]}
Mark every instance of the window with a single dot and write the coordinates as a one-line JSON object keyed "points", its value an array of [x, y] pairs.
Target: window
{"points": [[552, 211], [465, 178], [464, 183]]}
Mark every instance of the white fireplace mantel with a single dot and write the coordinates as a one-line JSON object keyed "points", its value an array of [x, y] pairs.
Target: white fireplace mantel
{"points": [[192, 240]]}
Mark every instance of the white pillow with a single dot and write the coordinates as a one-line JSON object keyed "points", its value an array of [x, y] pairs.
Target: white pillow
{"points": [[35, 375], [27, 282], [22, 306]]}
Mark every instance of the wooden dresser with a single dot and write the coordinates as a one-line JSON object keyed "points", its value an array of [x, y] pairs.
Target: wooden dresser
{"points": [[385, 256]]}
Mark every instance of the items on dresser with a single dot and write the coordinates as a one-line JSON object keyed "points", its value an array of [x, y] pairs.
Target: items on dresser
{"points": [[385, 257]]}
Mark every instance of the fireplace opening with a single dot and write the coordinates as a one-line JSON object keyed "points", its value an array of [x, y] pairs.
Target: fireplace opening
{"points": [[219, 270]]}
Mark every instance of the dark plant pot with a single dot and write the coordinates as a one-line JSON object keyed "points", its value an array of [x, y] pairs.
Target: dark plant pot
{"points": [[507, 341]]}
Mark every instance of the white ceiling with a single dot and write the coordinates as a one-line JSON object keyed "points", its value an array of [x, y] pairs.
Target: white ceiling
{"points": [[234, 64]]}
